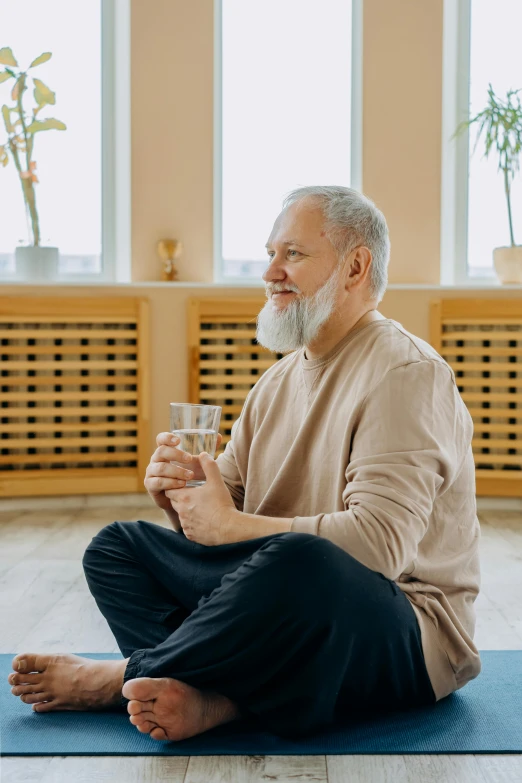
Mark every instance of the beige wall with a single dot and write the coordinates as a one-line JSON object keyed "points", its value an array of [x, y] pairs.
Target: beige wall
{"points": [[402, 99], [171, 135]]}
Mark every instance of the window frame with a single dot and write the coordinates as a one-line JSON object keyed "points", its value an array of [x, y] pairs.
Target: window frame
{"points": [[356, 151], [116, 142], [456, 68]]}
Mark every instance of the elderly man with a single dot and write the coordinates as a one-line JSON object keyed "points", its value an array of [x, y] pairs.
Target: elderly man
{"points": [[328, 566]]}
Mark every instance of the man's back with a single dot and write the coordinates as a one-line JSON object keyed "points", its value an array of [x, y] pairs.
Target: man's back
{"points": [[370, 447]]}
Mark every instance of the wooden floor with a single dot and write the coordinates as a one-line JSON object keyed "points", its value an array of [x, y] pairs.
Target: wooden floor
{"points": [[45, 606]]}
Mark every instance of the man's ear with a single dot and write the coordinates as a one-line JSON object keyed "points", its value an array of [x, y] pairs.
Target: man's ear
{"points": [[360, 263]]}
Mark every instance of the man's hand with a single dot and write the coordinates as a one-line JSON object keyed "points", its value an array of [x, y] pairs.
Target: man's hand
{"points": [[163, 474], [205, 512]]}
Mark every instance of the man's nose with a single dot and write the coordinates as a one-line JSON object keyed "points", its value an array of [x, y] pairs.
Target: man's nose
{"points": [[273, 272]]}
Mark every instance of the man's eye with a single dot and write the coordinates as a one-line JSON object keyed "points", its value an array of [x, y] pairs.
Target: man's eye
{"points": [[271, 254]]}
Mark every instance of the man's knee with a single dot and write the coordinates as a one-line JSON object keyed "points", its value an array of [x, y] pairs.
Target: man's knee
{"points": [[116, 537], [302, 551], [102, 544], [303, 565]]}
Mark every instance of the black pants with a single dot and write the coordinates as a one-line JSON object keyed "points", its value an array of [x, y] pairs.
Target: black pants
{"points": [[289, 626]]}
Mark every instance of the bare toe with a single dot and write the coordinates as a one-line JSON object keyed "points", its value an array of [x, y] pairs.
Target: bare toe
{"points": [[141, 717], [134, 707], [147, 727], [46, 706], [158, 734], [29, 662], [25, 679], [18, 690], [34, 698], [143, 689]]}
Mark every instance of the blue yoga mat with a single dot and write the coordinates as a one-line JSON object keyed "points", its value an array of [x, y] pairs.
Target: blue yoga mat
{"points": [[483, 717]]}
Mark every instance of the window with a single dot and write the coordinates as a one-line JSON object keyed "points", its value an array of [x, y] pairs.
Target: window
{"points": [[285, 116], [76, 191], [482, 46]]}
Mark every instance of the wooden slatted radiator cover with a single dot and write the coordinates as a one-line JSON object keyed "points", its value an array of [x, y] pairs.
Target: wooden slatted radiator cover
{"points": [[225, 360], [74, 395], [482, 341]]}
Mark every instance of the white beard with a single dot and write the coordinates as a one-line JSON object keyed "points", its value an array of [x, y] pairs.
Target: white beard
{"points": [[298, 323]]}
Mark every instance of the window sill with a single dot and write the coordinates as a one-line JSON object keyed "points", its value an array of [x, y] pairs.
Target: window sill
{"points": [[133, 284], [482, 286], [493, 285]]}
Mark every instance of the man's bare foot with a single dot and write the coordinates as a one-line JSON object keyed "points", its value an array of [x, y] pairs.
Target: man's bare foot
{"points": [[168, 709], [67, 682]]}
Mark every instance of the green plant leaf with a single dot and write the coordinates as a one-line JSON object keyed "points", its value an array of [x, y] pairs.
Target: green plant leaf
{"points": [[50, 124], [7, 57], [42, 93], [4, 76], [3, 156], [7, 119], [18, 88], [42, 59]]}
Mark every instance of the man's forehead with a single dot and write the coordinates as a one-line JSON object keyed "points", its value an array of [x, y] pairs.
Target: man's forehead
{"points": [[294, 226]]}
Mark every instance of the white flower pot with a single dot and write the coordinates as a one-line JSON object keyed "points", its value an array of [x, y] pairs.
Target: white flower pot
{"points": [[37, 263], [508, 263]]}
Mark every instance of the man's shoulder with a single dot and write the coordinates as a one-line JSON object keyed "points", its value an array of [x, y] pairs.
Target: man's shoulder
{"points": [[397, 347]]}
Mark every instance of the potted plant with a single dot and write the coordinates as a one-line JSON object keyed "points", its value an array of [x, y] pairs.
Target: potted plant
{"points": [[32, 261], [503, 127]]}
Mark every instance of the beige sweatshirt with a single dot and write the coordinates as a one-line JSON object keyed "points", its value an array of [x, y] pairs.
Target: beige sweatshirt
{"points": [[370, 447]]}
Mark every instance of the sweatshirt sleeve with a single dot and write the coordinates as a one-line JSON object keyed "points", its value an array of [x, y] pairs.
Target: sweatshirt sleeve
{"points": [[229, 470], [412, 435]]}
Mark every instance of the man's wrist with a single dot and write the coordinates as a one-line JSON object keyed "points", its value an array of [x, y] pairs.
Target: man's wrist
{"points": [[243, 527], [232, 526]]}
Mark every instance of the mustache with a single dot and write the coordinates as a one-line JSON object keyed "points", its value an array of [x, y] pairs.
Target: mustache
{"points": [[278, 289]]}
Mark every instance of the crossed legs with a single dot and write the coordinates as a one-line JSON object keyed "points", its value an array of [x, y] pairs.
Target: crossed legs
{"points": [[287, 629]]}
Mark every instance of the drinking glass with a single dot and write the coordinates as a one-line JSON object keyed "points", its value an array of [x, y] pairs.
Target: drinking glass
{"points": [[197, 427]]}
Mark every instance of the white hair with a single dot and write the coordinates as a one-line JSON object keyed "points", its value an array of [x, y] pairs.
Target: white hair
{"points": [[352, 219]]}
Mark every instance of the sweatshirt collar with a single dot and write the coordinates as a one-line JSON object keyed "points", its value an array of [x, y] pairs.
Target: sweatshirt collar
{"points": [[312, 364]]}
